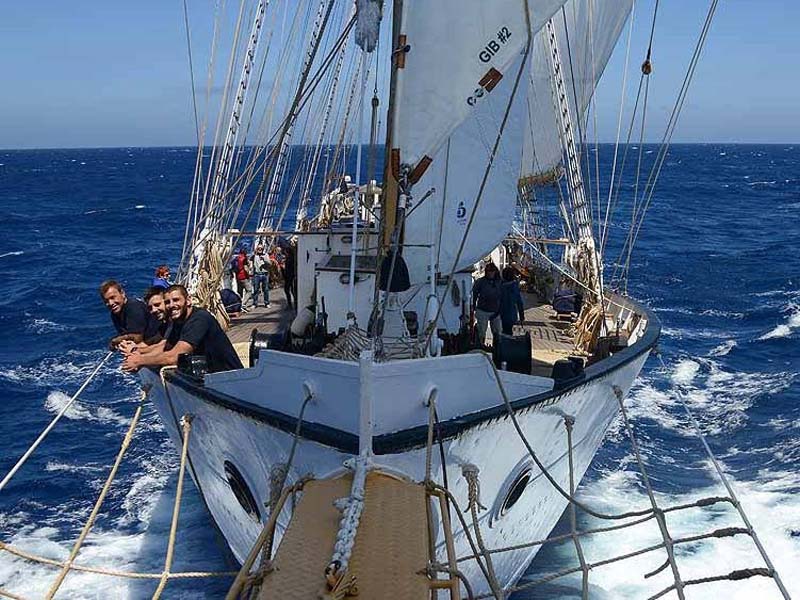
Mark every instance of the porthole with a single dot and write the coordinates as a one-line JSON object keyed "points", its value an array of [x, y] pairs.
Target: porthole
{"points": [[516, 491], [241, 490]]}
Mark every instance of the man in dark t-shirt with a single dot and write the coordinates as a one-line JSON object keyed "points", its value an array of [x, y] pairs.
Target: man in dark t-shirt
{"points": [[156, 335], [130, 318], [194, 331]]}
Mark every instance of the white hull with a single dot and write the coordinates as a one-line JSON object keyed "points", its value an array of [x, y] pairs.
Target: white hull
{"points": [[247, 437]]}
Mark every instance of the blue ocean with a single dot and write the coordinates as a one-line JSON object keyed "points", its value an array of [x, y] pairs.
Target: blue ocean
{"points": [[717, 260]]}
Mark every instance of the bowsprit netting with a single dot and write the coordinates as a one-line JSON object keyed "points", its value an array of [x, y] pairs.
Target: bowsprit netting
{"points": [[668, 544]]}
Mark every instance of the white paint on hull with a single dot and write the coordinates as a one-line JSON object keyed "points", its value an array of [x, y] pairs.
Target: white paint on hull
{"points": [[221, 434]]}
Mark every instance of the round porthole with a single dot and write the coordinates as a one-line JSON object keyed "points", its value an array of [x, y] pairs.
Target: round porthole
{"points": [[515, 491], [241, 490]]}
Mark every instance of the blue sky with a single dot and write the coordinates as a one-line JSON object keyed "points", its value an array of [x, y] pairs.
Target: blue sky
{"points": [[98, 73]]}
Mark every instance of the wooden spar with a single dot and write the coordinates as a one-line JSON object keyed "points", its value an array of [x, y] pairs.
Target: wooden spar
{"points": [[536, 240], [390, 186]]}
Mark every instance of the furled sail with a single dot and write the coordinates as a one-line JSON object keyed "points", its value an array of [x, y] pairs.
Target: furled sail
{"points": [[586, 32], [456, 175], [457, 52]]}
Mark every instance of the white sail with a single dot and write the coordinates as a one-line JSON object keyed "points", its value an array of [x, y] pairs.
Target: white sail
{"points": [[456, 175], [587, 31], [458, 50]]}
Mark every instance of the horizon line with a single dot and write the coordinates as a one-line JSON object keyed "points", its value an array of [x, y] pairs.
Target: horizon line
{"points": [[166, 146]]}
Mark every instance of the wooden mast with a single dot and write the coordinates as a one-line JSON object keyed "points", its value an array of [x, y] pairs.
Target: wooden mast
{"points": [[390, 174]]}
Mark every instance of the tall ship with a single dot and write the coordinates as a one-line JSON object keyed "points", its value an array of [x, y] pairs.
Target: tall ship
{"points": [[370, 415]]}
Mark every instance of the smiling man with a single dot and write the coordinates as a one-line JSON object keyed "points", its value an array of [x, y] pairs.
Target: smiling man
{"points": [[130, 318], [194, 331]]}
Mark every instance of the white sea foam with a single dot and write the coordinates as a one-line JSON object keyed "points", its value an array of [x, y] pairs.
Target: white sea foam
{"points": [[56, 401], [785, 329], [12, 253], [56, 466], [41, 326], [685, 372], [723, 349], [691, 333], [137, 542], [781, 424], [771, 502], [727, 314], [718, 398]]}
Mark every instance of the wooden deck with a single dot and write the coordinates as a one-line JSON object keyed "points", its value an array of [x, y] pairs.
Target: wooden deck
{"points": [[549, 335], [267, 320], [550, 338]]}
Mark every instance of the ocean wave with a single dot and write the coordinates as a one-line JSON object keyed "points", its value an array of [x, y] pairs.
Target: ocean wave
{"points": [[56, 401], [785, 329], [681, 333], [12, 253], [723, 349], [56, 466], [708, 312], [719, 399], [41, 326], [69, 369], [769, 499], [781, 424], [135, 543]]}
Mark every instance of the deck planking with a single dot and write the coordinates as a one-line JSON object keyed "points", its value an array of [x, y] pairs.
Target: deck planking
{"points": [[550, 335]]}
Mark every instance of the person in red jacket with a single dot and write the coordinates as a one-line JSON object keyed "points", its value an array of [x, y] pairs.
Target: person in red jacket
{"points": [[244, 273]]}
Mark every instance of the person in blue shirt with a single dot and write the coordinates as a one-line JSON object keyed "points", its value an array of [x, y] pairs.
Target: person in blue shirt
{"points": [[486, 293], [130, 317], [511, 305], [161, 280]]}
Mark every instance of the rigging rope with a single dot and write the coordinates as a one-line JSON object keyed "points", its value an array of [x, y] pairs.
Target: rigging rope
{"points": [[52, 424], [191, 70], [672, 123], [729, 488], [186, 425], [606, 222], [96, 509]]}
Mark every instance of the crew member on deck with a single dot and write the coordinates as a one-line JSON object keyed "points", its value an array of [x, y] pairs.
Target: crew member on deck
{"points": [[194, 331], [511, 303], [156, 305], [130, 317], [261, 263], [486, 293], [161, 279], [244, 272], [290, 274]]}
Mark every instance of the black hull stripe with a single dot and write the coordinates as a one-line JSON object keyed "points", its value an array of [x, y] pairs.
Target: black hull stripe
{"points": [[416, 437]]}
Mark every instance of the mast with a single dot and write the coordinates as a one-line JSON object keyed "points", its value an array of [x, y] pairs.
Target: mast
{"points": [[392, 159]]}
